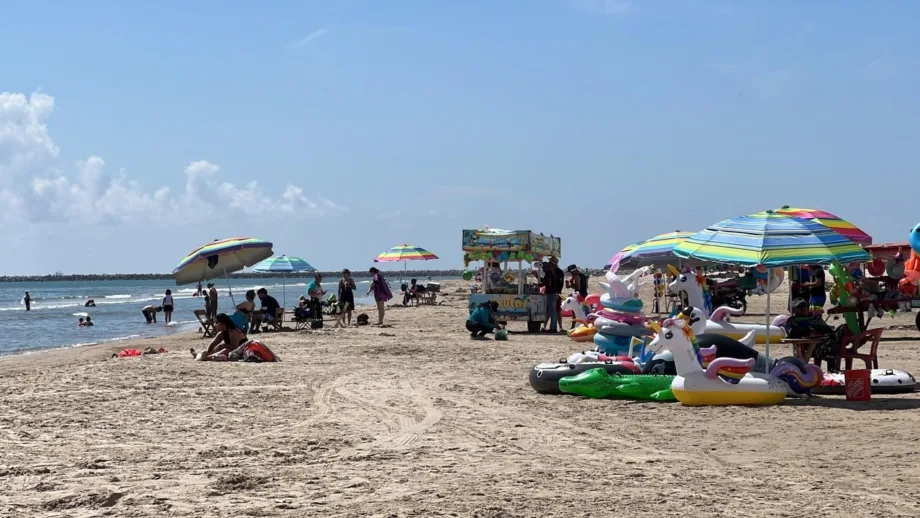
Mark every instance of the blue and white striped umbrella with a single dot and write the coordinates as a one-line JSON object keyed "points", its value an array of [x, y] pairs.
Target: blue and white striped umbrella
{"points": [[284, 264]]}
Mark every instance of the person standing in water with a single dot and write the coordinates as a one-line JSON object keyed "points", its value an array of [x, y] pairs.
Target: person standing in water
{"points": [[27, 300], [212, 296], [168, 306]]}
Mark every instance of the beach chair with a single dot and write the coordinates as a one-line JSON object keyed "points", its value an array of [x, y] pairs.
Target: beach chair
{"points": [[207, 325], [275, 325], [848, 354]]}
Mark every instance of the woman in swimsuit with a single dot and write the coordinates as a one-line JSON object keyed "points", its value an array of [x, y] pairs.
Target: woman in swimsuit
{"points": [[229, 337], [346, 294]]}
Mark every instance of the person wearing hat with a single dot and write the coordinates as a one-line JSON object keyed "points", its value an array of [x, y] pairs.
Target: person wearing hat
{"points": [[578, 282], [482, 320], [552, 283]]}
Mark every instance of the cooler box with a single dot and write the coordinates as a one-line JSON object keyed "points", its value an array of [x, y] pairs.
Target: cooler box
{"points": [[434, 287], [857, 385]]}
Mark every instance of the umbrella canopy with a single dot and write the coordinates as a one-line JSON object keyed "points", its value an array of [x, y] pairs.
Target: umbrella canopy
{"points": [[405, 253], [221, 258], [838, 225], [284, 264], [772, 240], [659, 249]]}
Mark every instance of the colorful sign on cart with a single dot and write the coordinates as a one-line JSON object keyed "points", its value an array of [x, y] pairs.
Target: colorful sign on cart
{"points": [[513, 307]]}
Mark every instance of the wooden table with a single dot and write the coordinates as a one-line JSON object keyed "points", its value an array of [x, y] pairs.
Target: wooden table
{"points": [[803, 348]]}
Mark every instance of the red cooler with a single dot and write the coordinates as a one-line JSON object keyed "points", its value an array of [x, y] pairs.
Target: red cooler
{"points": [[857, 385]]}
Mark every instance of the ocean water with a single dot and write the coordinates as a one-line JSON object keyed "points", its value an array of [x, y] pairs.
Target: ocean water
{"points": [[57, 306]]}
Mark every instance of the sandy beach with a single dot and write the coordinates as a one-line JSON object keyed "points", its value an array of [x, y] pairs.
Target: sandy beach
{"points": [[418, 420]]}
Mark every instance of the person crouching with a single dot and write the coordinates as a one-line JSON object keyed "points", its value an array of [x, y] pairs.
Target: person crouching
{"points": [[482, 320]]}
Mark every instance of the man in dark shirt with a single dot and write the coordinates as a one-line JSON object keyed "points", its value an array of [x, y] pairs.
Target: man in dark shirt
{"points": [[269, 306], [553, 281]]}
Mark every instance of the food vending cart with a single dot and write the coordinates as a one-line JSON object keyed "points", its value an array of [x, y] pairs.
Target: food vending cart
{"points": [[515, 289]]}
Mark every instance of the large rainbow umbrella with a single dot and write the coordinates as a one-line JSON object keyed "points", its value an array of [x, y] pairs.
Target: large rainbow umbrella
{"points": [[405, 253], [221, 258], [838, 225], [771, 240], [659, 249]]}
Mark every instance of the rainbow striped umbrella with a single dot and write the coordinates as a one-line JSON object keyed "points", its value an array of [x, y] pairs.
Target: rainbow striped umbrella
{"points": [[405, 253], [659, 249], [770, 239], [838, 225], [221, 258]]}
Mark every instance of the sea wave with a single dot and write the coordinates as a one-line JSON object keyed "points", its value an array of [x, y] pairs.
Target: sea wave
{"points": [[117, 297]]}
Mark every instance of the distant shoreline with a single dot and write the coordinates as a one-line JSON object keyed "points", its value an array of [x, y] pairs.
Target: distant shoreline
{"points": [[412, 274], [421, 274]]}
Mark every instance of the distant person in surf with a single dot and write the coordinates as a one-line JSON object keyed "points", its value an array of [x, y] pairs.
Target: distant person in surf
{"points": [[81, 323], [212, 296], [27, 300], [168, 306], [198, 293], [89, 322], [90, 304]]}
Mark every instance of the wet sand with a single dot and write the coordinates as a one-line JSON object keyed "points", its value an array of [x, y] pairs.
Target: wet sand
{"points": [[418, 420]]}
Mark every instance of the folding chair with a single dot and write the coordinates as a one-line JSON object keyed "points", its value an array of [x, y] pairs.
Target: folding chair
{"points": [[207, 325], [275, 325]]}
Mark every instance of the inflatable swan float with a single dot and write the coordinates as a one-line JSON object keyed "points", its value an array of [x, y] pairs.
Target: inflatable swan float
{"points": [[718, 322], [725, 381]]}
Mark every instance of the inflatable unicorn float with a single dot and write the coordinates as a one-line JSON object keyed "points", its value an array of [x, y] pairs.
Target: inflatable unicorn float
{"points": [[718, 322], [704, 379]]}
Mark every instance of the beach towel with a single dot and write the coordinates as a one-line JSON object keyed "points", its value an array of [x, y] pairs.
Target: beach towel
{"points": [[127, 353]]}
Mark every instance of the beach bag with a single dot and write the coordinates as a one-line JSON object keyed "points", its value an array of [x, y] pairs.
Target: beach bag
{"points": [[255, 351]]}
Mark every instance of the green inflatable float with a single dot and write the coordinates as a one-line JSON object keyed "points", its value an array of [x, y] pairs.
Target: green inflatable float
{"points": [[597, 384], [842, 280]]}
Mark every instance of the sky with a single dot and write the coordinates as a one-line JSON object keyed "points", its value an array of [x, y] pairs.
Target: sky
{"points": [[133, 132]]}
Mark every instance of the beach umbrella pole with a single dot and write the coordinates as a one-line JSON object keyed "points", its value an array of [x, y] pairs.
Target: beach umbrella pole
{"points": [[767, 367], [229, 289]]}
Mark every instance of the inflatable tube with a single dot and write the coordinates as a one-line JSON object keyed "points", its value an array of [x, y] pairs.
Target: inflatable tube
{"points": [[582, 334], [624, 305], [544, 377], [775, 280], [661, 364], [884, 381], [619, 316], [739, 331]]}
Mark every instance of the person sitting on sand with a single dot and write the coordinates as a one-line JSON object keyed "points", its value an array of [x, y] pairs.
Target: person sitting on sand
{"points": [[482, 320], [150, 313], [89, 322], [81, 323], [229, 337]]}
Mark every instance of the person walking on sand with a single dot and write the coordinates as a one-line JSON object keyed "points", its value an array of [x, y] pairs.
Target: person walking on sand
{"points": [[381, 291], [27, 300], [346, 295], [168, 306]]}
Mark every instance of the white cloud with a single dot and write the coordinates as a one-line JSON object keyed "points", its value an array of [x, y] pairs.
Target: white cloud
{"points": [[607, 7], [309, 38], [33, 189], [884, 67]]}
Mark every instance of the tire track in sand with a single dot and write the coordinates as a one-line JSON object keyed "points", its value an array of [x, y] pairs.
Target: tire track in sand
{"points": [[402, 430], [323, 390]]}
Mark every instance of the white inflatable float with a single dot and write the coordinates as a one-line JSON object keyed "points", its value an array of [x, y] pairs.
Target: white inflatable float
{"points": [[884, 381]]}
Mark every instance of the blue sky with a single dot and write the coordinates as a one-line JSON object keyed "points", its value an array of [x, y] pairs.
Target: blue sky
{"points": [[130, 133]]}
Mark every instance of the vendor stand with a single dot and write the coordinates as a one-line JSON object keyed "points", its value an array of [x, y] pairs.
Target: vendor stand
{"points": [[516, 291]]}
